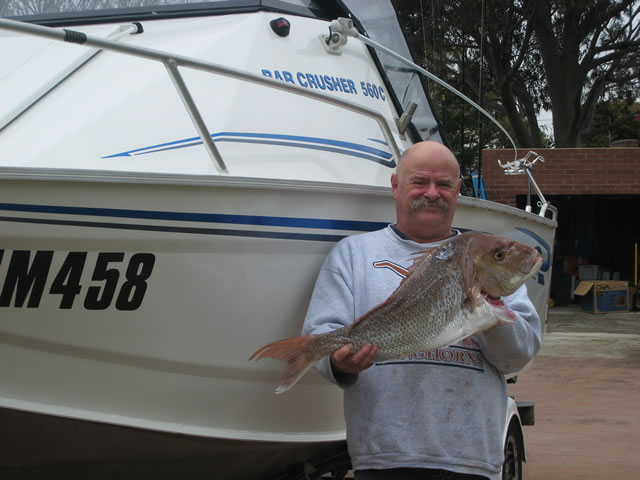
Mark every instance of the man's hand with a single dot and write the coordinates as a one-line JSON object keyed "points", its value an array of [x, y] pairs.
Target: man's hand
{"points": [[344, 361]]}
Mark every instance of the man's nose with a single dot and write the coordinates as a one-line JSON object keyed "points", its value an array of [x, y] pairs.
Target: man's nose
{"points": [[430, 191]]}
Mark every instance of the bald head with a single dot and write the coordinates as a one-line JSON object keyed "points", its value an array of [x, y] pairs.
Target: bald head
{"points": [[429, 150]]}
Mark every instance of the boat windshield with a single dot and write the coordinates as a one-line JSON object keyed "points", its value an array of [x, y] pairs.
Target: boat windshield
{"points": [[379, 20]]}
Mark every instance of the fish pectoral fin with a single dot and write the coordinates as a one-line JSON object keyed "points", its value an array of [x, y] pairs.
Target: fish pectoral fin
{"points": [[475, 298], [505, 316], [295, 353]]}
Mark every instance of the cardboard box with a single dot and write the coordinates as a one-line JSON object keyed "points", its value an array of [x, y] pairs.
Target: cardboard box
{"points": [[604, 296]]}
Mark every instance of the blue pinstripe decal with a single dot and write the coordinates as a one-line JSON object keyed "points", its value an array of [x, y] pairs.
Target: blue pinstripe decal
{"points": [[316, 223], [296, 141], [227, 232]]}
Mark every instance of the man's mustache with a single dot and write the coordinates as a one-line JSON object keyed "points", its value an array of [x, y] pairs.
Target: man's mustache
{"points": [[423, 202]]}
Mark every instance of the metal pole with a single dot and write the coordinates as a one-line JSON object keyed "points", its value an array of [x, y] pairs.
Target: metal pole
{"points": [[196, 118]]}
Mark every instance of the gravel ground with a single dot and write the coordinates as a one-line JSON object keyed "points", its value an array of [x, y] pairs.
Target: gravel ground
{"points": [[585, 385]]}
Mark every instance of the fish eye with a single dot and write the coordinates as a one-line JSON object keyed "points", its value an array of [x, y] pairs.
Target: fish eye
{"points": [[499, 255]]}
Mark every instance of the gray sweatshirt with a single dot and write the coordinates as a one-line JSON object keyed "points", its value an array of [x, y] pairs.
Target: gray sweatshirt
{"points": [[442, 409]]}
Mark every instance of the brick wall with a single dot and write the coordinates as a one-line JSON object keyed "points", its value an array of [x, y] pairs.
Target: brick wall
{"points": [[565, 171]]}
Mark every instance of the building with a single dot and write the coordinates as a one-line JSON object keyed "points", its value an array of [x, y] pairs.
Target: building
{"points": [[597, 193]]}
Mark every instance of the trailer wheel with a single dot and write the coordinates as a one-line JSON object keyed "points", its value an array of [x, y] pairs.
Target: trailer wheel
{"points": [[331, 465], [513, 453]]}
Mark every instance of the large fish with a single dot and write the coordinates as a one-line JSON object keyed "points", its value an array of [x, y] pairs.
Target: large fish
{"points": [[451, 291]]}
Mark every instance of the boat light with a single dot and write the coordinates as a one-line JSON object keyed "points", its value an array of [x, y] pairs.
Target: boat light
{"points": [[280, 26]]}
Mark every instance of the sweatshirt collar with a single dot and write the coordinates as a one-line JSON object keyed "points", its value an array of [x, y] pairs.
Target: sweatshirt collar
{"points": [[454, 232]]}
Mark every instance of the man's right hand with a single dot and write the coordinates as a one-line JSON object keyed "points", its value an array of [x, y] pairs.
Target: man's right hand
{"points": [[344, 361]]}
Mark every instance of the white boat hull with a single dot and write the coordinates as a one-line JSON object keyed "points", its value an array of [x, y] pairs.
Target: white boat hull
{"points": [[208, 276]]}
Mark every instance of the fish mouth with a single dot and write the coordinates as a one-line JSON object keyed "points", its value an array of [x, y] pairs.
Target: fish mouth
{"points": [[532, 265], [496, 301]]}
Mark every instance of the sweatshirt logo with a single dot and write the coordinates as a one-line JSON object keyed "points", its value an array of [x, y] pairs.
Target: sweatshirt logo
{"points": [[394, 267]]}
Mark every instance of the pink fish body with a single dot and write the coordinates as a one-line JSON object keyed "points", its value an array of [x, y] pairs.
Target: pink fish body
{"points": [[452, 291]]}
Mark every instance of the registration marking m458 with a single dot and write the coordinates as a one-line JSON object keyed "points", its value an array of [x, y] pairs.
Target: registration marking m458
{"points": [[98, 279]]}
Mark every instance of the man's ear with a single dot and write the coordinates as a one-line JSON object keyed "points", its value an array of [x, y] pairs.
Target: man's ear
{"points": [[394, 185]]}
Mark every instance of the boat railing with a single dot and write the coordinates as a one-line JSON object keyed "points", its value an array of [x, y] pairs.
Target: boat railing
{"points": [[172, 61]]}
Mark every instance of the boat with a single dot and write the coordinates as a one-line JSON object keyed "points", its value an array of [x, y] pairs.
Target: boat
{"points": [[171, 177]]}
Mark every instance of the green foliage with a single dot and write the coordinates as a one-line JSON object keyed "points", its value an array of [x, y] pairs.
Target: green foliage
{"points": [[614, 120], [520, 57]]}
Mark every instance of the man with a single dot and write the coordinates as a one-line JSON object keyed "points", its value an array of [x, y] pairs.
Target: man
{"points": [[435, 414]]}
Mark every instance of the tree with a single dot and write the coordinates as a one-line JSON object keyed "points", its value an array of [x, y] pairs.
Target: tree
{"points": [[558, 55], [588, 48], [615, 119]]}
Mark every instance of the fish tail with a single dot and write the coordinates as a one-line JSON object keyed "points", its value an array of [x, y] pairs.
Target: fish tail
{"points": [[293, 351]]}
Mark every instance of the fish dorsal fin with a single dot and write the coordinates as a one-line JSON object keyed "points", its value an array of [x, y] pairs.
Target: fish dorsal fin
{"points": [[442, 252], [419, 257]]}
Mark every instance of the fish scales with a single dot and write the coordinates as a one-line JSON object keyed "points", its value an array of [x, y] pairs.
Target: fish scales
{"points": [[447, 295], [416, 319]]}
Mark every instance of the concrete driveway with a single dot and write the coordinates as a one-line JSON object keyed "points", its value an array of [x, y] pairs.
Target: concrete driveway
{"points": [[586, 387]]}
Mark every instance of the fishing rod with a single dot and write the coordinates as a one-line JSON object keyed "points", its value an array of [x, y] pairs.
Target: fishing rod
{"points": [[342, 28]]}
